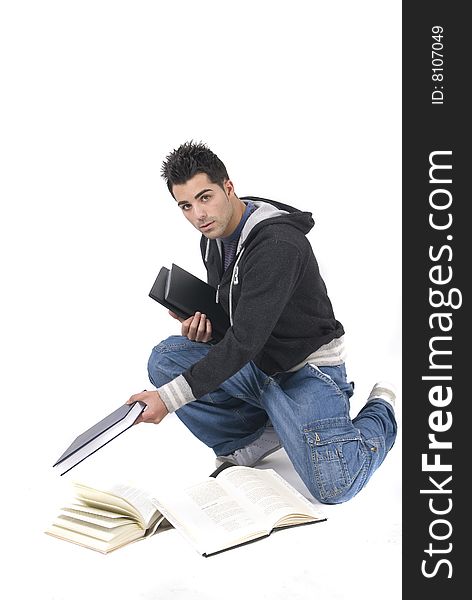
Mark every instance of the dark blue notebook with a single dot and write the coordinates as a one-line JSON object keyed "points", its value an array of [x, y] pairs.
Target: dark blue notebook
{"points": [[98, 435]]}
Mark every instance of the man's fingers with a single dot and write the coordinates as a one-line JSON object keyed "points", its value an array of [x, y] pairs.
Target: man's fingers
{"points": [[155, 409], [134, 398], [149, 417], [209, 331], [193, 327], [186, 326], [197, 328], [205, 334], [201, 329]]}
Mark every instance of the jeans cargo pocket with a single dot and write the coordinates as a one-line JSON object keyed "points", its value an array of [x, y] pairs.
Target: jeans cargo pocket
{"points": [[338, 457]]}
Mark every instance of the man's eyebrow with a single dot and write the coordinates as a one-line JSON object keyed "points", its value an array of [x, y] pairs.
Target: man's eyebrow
{"points": [[196, 197]]}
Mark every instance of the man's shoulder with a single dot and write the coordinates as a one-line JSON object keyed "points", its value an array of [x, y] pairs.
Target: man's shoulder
{"points": [[276, 203], [278, 230]]}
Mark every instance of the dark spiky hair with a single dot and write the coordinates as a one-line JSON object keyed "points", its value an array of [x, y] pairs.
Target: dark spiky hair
{"points": [[188, 160]]}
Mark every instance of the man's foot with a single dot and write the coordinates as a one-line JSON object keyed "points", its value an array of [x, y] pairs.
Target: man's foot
{"points": [[384, 390], [249, 456]]}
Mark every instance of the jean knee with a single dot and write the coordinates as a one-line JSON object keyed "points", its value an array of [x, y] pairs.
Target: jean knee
{"points": [[159, 366], [329, 489], [172, 357], [338, 460], [152, 367]]}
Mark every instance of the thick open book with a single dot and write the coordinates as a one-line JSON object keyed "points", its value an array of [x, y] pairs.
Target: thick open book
{"points": [[239, 505], [98, 435], [185, 294], [105, 520]]}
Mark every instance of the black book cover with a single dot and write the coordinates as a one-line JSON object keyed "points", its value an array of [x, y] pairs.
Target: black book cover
{"points": [[183, 293], [158, 293], [101, 433]]}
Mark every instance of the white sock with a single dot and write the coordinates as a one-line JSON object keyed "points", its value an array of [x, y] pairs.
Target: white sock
{"points": [[385, 391]]}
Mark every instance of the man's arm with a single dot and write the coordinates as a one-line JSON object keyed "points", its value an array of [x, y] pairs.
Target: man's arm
{"points": [[196, 328], [264, 295]]}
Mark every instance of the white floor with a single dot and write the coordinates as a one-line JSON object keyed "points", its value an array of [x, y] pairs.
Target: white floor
{"points": [[355, 554], [97, 93]]}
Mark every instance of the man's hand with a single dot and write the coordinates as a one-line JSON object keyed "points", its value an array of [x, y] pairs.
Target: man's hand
{"points": [[196, 328], [156, 409]]}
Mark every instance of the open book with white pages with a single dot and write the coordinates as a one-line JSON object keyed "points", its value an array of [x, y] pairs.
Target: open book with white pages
{"points": [[240, 505], [232, 507]]}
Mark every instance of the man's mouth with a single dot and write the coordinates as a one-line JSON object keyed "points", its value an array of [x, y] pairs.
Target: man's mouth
{"points": [[207, 225]]}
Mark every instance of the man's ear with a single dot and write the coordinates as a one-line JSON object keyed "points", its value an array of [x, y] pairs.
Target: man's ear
{"points": [[229, 187]]}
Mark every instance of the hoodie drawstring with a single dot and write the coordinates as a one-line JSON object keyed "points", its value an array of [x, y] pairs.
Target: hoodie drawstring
{"points": [[235, 281]]}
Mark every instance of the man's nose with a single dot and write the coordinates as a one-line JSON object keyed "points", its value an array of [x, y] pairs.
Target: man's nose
{"points": [[201, 213]]}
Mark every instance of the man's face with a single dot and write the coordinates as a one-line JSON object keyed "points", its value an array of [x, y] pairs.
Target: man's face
{"points": [[208, 207]]}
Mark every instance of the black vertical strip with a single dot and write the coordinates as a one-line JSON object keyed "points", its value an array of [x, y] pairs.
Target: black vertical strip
{"points": [[437, 240]]}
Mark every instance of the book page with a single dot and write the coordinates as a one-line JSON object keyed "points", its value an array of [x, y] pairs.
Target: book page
{"points": [[94, 511], [94, 543], [139, 499], [209, 517], [268, 494], [122, 499], [106, 534], [240, 505], [88, 516]]}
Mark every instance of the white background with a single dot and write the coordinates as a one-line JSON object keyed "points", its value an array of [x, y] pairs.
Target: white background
{"points": [[302, 102]]}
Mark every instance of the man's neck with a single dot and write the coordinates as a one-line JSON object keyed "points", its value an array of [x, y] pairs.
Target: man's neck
{"points": [[239, 208]]}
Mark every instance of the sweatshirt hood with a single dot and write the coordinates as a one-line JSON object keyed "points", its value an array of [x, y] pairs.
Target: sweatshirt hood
{"points": [[269, 211]]}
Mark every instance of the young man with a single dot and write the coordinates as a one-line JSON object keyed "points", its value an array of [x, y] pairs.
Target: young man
{"points": [[277, 378]]}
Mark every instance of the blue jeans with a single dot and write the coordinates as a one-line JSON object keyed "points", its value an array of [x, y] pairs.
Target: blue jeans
{"points": [[309, 409]]}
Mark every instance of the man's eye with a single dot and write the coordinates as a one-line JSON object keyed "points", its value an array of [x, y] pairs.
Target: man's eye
{"points": [[185, 206]]}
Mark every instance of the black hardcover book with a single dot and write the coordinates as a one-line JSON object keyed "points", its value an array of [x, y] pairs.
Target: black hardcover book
{"points": [[184, 294], [98, 435]]}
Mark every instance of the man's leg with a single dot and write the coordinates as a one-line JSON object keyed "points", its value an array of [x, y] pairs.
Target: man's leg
{"points": [[309, 410], [225, 420], [334, 456]]}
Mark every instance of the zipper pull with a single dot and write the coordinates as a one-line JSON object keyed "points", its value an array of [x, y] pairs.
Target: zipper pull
{"points": [[217, 294], [235, 279]]}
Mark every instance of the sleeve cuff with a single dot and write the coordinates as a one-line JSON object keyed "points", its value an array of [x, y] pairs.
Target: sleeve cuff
{"points": [[176, 393]]}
